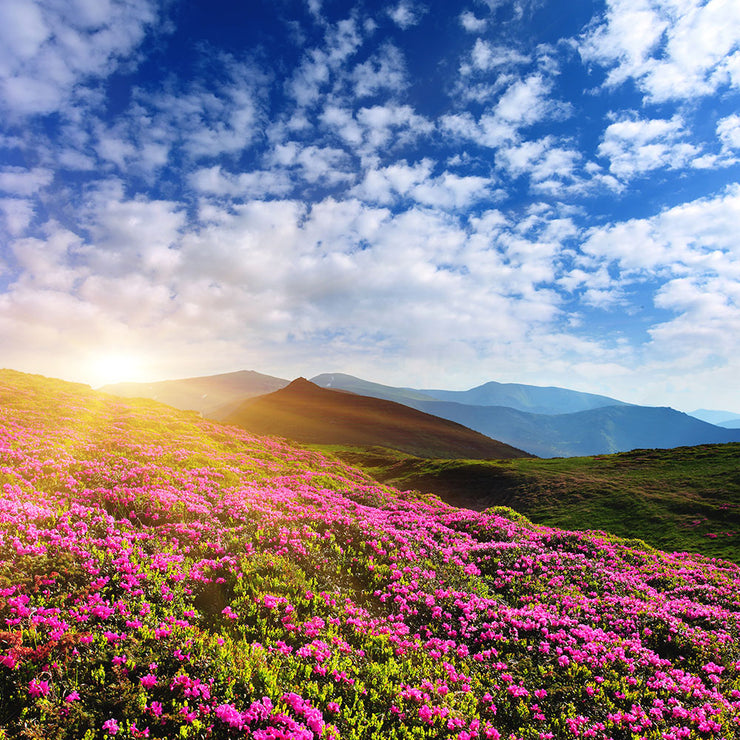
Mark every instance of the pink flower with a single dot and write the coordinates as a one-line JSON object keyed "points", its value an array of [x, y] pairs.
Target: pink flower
{"points": [[38, 688], [111, 726], [148, 681]]}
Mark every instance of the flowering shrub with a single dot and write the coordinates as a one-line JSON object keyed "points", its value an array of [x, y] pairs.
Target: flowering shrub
{"points": [[165, 577]]}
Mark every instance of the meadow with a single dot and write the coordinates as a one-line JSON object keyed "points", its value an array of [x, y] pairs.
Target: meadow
{"points": [[162, 576], [686, 498]]}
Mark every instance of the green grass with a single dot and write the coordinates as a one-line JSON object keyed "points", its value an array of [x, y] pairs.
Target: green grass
{"points": [[685, 499]]}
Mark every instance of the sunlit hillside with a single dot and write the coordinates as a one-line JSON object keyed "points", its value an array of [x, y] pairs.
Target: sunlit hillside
{"points": [[162, 576]]}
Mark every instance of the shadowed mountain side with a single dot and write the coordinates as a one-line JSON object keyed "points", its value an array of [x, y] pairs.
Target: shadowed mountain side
{"points": [[530, 398], [594, 432], [206, 394], [306, 413]]}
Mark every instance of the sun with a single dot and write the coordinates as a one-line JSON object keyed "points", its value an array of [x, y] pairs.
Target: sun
{"points": [[115, 367]]}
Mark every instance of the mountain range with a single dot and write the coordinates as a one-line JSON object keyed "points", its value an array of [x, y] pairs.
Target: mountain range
{"points": [[304, 412], [542, 421]]}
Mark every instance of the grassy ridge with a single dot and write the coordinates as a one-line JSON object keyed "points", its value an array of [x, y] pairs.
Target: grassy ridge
{"points": [[685, 499]]}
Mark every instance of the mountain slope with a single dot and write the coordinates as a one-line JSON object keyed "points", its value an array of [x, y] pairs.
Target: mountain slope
{"points": [[162, 576], [205, 394], [304, 412]]}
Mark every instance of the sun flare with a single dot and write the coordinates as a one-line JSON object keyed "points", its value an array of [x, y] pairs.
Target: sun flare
{"points": [[115, 367]]}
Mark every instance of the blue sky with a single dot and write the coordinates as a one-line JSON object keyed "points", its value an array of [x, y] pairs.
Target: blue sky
{"points": [[420, 193]]}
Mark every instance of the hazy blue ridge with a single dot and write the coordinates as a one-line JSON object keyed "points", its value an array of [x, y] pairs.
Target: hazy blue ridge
{"points": [[726, 419], [593, 432], [531, 398]]}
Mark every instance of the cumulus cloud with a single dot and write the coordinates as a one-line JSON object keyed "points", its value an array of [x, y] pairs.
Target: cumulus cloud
{"points": [[728, 131], [315, 164], [255, 184], [401, 180], [17, 214], [48, 47], [384, 71], [525, 102], [486, 56], [471, 23], [406, 14], [314, 73], [673, 49], [21, 181], [696, 236], [634, 146]]}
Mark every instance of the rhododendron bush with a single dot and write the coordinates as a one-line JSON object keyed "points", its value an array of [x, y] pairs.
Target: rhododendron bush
{"points": [[165, 577]]}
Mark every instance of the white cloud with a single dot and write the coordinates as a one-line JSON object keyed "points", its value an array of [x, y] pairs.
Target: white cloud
{"points": [[401, 180], [48, 47], [17, 214], [46, 264], [343, 122], [130, 235], [315, 71], [471, 23], [400, 122], [406, 14], [699, 236], [314, 164], [525, 102], [673, 49], [256, 184], [635, 146], [22, 182], [728, 131], [384, 71], [214, 119], [486, 57]]}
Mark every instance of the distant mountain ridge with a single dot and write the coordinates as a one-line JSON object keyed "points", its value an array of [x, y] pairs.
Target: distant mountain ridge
{"points": [[530, 398], [725, 419], [304, 412], [605, 429]]}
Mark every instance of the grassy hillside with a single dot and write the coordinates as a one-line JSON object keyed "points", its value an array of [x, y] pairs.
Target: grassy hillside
{"points": [[304, 412], [682, 499], [165, 577]]}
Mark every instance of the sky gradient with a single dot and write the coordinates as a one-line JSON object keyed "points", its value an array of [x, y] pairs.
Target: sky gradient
{"points": [[428, 193]]}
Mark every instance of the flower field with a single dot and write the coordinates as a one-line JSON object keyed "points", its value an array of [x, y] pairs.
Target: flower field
{"points": [[165, 577]]}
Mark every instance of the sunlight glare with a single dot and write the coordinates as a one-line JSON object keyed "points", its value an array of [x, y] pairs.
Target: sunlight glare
{"points": [[115, 367]]}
